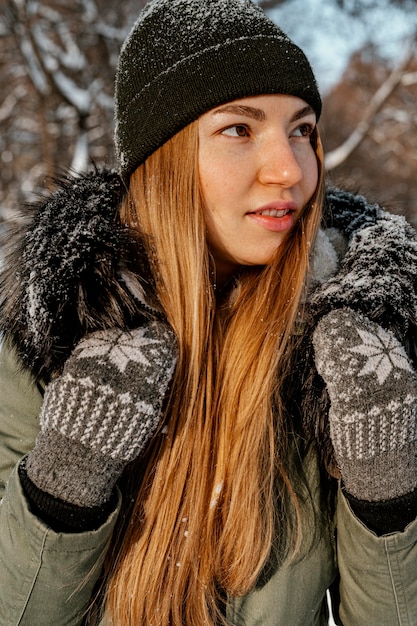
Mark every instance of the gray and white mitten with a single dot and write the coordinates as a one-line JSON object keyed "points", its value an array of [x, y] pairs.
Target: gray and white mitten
{"points": [[373, 394], [101, 412]]}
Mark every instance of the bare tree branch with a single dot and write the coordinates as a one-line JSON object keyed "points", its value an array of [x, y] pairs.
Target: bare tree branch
{"points": [[17, 24], [335, 157]]}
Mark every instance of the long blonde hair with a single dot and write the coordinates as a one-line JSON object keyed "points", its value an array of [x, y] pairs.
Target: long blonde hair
{"points": [[204, 517]]}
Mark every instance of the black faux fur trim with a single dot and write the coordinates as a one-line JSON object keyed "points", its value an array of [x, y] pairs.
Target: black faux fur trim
{"points": [[349, 212], [378, 274], [62, 271]]}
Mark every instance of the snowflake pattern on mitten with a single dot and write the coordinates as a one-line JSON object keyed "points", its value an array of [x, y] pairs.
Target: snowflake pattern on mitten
{"points": [[120, 348], [102, 411], [384, 355], [110, 394], [373, 394]]}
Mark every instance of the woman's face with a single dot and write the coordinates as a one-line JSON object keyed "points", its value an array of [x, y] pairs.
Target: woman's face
{"points": [[257, 171]]}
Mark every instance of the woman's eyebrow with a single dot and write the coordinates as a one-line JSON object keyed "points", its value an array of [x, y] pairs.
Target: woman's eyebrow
{"points": [[240, 109], [307, 110], [259, 114]]}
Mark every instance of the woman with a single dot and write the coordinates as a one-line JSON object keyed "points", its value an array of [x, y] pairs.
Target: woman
{"points": [[208, 364]]}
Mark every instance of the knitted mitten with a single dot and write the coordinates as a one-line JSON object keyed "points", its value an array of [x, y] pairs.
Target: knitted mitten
{"points": [[101, 412], [373, 394]]}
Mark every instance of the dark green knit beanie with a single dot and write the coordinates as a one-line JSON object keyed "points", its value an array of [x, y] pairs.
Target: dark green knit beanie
{"points": [[184, 57]]}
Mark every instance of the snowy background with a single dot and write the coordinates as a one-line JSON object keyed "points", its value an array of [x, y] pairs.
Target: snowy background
{"points": [[330, 35]]}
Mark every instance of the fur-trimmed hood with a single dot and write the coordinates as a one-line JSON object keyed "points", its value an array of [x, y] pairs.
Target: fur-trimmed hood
{"points": [[377, 274], [71, 267]]}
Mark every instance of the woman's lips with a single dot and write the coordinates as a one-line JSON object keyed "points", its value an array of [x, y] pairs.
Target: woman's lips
{"points": [[275, 216]]}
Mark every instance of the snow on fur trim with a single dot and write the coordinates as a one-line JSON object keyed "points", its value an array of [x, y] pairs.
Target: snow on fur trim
{"points": [[61, 274], [378, 274]]}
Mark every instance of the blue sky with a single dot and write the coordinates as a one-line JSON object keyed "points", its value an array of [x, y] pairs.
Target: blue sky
{"points": [[329, 36]]}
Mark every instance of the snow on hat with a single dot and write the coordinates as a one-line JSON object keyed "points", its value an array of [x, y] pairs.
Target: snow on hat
{"points": [[184, 57]]}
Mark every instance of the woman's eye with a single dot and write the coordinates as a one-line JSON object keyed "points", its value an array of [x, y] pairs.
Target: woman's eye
{"points": [[304, 130], [239, 130]]}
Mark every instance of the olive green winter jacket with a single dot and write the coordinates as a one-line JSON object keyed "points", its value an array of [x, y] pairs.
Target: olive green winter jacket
{"points": [[47, 578]]}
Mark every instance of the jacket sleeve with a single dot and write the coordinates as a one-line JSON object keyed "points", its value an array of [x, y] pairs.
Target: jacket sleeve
{"points": [[46, 577], [20, 404], [378, 579]]}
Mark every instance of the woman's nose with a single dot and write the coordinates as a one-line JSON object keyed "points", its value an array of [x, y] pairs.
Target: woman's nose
{"points": [[279, 164]]}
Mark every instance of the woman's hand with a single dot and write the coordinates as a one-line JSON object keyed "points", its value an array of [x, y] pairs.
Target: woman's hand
{"points": [[101, 412], [373, 393]]}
